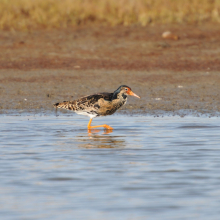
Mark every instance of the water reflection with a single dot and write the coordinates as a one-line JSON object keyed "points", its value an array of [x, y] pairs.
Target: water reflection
{"points": [[93, 131], [99, 139], [93, 138]]}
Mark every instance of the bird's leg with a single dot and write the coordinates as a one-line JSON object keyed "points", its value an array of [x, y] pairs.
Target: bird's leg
{"points": [[98, 126]]}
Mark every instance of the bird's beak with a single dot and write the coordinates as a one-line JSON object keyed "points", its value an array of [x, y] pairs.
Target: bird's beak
{"points": [[133, 94]]}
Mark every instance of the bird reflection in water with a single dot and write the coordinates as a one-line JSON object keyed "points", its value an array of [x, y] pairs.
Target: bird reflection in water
{"points": [[97, 140], [94, 131]]}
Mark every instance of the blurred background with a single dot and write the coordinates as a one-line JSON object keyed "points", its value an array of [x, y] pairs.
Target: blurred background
{"points": [[35, 14]]}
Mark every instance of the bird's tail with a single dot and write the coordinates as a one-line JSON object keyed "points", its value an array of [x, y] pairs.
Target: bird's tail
{"points": [[60, 104], [65, 104]]}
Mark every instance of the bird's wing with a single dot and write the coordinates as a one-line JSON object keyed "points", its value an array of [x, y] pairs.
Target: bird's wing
{"points": [[90, 102], [93, 99], [86, 103]]}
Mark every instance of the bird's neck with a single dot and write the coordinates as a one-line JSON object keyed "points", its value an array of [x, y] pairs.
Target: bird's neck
{"points": [[119, 96], [115, 95]]}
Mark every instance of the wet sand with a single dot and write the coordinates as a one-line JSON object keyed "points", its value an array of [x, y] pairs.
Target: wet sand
{"points": [[42, 67]]}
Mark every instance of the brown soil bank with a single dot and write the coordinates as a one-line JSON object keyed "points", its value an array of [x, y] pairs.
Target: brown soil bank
{"points": [[43, 67]]}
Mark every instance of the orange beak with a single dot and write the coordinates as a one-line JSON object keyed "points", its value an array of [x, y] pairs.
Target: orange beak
{"points": [[133, 94]]}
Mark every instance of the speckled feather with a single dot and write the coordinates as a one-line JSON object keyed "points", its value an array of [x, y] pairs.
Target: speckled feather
{"points": [[96, 105]]}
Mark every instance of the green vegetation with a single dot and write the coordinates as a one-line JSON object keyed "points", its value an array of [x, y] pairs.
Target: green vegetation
{"points": [[34, 14]]}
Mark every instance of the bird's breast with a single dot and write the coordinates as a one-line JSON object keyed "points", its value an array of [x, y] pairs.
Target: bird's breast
{"points": [[110, 107]]}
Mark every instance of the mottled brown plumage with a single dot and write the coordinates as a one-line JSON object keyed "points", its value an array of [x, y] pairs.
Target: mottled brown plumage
{"points": [[100, 104]]}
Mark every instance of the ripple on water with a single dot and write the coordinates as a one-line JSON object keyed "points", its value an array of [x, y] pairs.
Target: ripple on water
{"points": [[52, 167]]}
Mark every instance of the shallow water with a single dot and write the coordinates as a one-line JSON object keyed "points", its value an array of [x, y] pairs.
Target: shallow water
{"points": [[147, 168]]}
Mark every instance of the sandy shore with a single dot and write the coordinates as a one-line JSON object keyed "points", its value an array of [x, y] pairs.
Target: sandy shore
{"points": [[43, 67]]}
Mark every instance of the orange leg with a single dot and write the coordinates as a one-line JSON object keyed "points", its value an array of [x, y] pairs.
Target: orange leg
{"points": [[98, 126]]}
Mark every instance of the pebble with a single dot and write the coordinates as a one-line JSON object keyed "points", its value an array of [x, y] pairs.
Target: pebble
{"points": [[169, 35]]}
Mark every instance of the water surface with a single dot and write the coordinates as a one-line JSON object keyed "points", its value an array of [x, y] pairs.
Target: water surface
{"points": [[147, 168]]}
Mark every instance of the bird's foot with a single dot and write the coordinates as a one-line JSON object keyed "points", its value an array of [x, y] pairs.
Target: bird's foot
{"points": [[107, 127], [99, 126]]}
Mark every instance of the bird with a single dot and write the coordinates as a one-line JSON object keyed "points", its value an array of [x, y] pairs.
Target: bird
{"points": [[99, 104]]}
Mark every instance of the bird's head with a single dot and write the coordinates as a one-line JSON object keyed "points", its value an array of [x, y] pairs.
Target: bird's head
{"points": [[124, 91]]}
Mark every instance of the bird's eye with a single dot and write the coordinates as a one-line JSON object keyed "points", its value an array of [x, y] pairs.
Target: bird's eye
{"points": [[126, 89]]}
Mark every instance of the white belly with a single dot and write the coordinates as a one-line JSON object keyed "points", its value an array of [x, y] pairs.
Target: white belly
{"points": [[86, 113]]}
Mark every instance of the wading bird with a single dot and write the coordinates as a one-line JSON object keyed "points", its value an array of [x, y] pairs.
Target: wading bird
{"points": [[100, 104]]}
